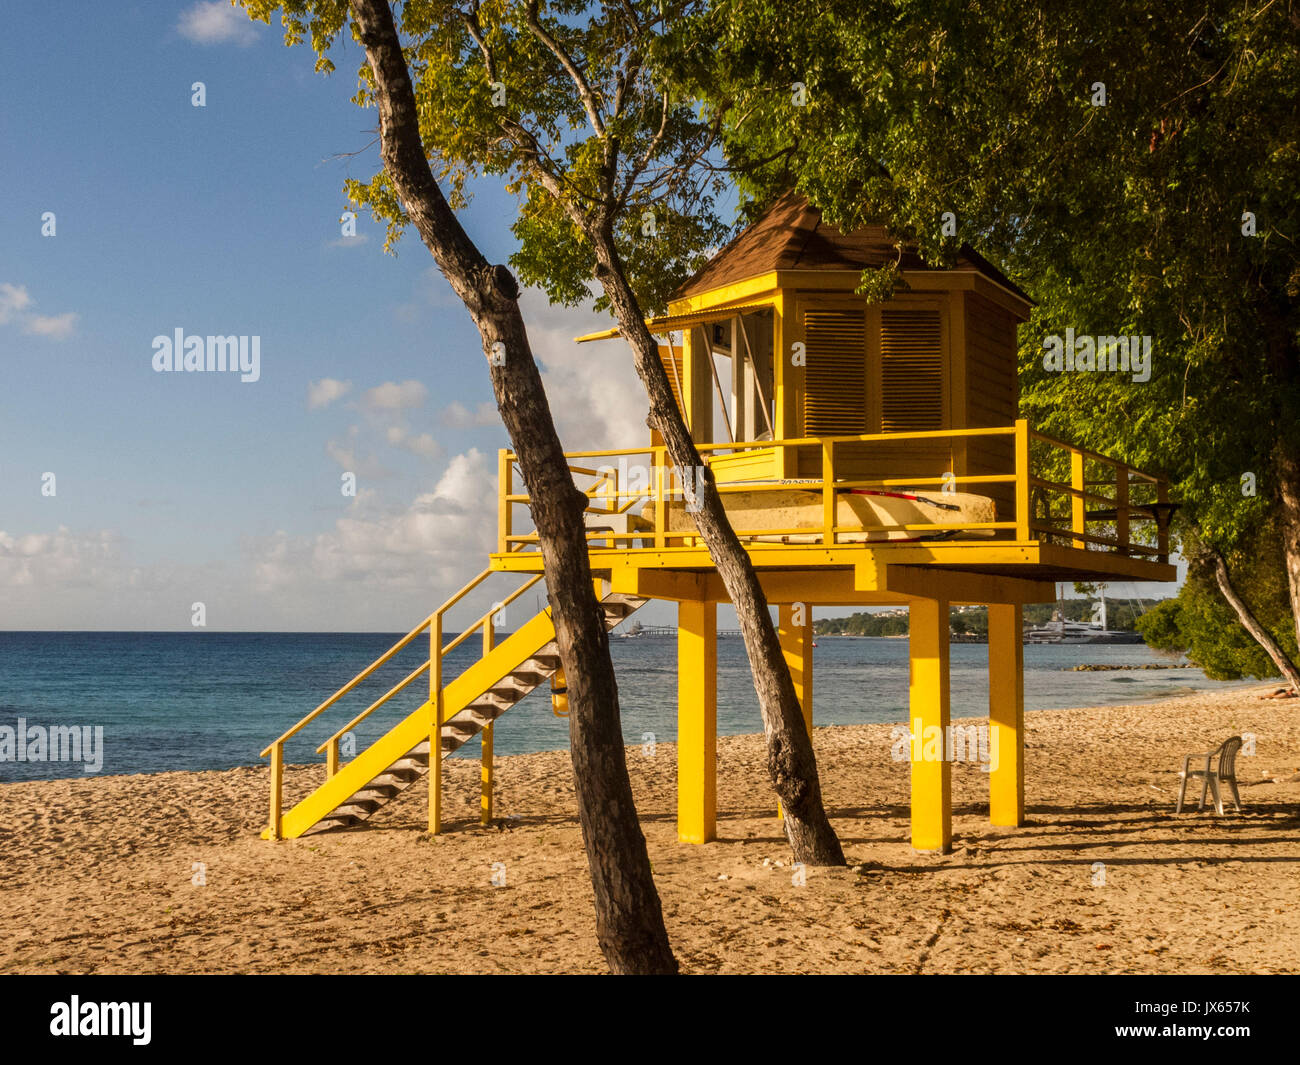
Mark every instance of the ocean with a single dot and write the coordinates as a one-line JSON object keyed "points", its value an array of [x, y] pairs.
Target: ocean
{"points": [[214, 700]]}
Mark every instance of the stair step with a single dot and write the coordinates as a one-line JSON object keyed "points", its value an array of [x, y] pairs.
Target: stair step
{"points": [[356, 810], [468, 722], [376, 794]]}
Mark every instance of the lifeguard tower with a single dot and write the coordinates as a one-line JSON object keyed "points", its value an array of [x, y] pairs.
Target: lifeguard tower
{"points": [[867, 453]]}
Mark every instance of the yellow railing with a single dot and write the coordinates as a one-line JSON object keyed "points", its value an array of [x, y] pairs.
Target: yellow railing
{"points": [[1129, 497], [431, 665]]}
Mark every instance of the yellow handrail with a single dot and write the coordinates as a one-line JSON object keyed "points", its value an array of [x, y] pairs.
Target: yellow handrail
{"points": [[350, 684], [449, 647], [1027, 478], [431, 665], [375, 705]]}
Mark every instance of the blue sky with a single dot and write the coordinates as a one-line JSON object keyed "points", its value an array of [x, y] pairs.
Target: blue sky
{"points": [[224, 219], [169, 488]]}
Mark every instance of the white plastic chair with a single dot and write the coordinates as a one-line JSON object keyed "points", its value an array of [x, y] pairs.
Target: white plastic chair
{"points": [[1213, 775]]}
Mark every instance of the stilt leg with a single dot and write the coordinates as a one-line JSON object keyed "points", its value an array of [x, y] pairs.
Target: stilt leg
{"points": [[485, 777], [1006, 715], [697, 721], [928, 694]]}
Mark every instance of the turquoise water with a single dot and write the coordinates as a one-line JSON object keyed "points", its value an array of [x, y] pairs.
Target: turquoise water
{"points": [[213, 700]]}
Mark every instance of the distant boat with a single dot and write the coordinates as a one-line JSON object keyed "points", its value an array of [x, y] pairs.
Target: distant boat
{"points": [[1058, 630]]}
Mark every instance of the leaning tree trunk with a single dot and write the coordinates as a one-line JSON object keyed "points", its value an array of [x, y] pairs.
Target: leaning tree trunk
{"points": [[629, 919], [1287, 464], [790, 760], [1251, 623]]}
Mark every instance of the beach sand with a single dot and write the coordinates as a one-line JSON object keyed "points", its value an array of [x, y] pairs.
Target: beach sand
{"points": [[96, 873]]}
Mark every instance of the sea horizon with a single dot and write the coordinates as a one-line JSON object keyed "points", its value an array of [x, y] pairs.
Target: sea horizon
{"points": [[166, 702]]}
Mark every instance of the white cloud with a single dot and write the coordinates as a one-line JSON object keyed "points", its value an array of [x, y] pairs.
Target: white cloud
{"points": [[54, 326], [13, 298], [423, 445], [325, 391], [457, 416], [596, 398], [375, 568], [216, 22], [14, 301], [393, 396], [349, 242], [39, 559], [372, 561]]}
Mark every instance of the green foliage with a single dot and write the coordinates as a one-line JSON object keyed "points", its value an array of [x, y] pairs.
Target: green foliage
{"points": [[1200, 623], [1120, 219], [574, 109], [1161, 627]]}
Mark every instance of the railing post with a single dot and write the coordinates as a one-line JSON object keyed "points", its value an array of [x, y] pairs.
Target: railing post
{"points": [[485, 773], [1078, 504], [505, 475], [1121, 508], [828, 492], [277, 783], [332, 757], [612, 503], [661, 509], [435, 726], [1162, 526], [1024, 528]]}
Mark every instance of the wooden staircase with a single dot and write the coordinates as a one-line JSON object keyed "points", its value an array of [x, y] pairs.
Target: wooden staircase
{"points": [[500, 679]]}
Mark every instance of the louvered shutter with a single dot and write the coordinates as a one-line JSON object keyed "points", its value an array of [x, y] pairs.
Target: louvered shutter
{"points": [[911, 371], [835, 374]]}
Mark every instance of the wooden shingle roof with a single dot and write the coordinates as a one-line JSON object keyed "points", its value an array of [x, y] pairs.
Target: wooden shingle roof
{"points": [[790, 235]]}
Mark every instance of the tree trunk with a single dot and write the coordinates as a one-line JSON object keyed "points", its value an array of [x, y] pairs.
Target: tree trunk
{"points": [[629, 919], [791, 764], [1287, 464], [1247, 617]]}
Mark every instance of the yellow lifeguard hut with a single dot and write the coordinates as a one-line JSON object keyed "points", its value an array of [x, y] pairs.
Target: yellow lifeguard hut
{"points": [[867, 453]]}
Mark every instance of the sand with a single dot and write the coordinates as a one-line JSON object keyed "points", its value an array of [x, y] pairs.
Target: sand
{"points": [[96, 875]]}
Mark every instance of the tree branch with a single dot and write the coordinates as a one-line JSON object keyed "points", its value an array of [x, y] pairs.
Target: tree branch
{"points": [[579, 79]]}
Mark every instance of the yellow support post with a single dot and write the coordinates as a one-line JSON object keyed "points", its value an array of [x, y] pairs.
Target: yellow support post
{"points": [[505, 475], [435, 726], [1024, 530], [828, 492], [1078, 504], [697, 721], [796, 646], [1006, 715], [332, 757], [277, 785], [485, 741], [928, 698], [661, 506]]}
